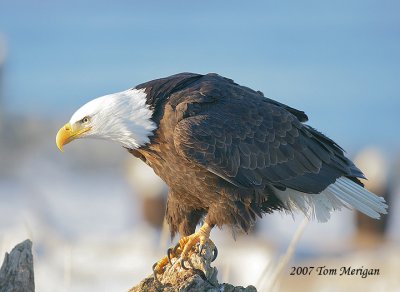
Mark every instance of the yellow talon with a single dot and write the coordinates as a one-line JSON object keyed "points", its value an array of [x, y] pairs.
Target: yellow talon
{"points": [[188, 243], [184, 248], [158, 267]]}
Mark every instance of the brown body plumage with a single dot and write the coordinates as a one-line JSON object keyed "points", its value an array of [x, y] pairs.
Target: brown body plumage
{"points": [[223, 149]]}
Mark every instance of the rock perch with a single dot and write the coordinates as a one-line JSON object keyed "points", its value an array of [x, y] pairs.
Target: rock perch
{"points": [[200, 277]]}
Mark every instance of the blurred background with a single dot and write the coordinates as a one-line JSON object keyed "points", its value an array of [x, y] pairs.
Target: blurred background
{"points": [[93, 212]]}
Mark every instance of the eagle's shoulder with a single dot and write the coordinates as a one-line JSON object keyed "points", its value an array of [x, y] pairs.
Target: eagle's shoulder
{"points": [[159, 89]]}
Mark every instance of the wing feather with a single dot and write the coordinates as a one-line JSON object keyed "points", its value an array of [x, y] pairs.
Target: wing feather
{"points": [[251, 141]]}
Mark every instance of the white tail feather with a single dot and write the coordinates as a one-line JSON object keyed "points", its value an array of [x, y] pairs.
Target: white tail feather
{"points": [[342, 193]]}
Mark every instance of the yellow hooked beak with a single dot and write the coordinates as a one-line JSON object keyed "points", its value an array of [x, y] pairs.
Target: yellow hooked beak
{"points": [[67, 134]]}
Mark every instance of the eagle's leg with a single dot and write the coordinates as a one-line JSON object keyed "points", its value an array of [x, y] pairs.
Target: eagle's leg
{"points": [[187, 243], [185, 226]]}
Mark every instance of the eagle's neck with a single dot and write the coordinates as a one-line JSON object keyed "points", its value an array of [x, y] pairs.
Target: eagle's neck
{"points": [[130, 123]]}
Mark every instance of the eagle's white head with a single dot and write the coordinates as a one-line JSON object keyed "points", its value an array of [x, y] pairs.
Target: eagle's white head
{"points": [[123, 117]]}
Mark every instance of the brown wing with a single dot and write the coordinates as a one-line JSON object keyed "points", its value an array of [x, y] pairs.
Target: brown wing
{"points": [[251, 141]]}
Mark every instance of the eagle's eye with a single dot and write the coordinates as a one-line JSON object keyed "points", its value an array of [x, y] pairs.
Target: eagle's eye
{"points": [[85, 120]]}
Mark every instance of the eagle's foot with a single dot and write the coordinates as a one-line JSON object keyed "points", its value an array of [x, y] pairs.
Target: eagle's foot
{"points": [[187, 244], [185, 247], [159, 267]]}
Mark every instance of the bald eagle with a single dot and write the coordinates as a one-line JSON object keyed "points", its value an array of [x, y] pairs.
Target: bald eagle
{"points": [[227, 153]]}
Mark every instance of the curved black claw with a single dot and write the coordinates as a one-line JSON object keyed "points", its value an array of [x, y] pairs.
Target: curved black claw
{"points": [[201, 274], [176, 248], [169, 252], [183, 264], [155, 273], [215, 253]]}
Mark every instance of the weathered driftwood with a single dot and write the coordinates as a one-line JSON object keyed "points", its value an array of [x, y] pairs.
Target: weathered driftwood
{"points": [[199, 277], [16, 273]]}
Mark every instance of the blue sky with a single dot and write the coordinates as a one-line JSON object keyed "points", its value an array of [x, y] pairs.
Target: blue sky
{"points": [[336, 60]]}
